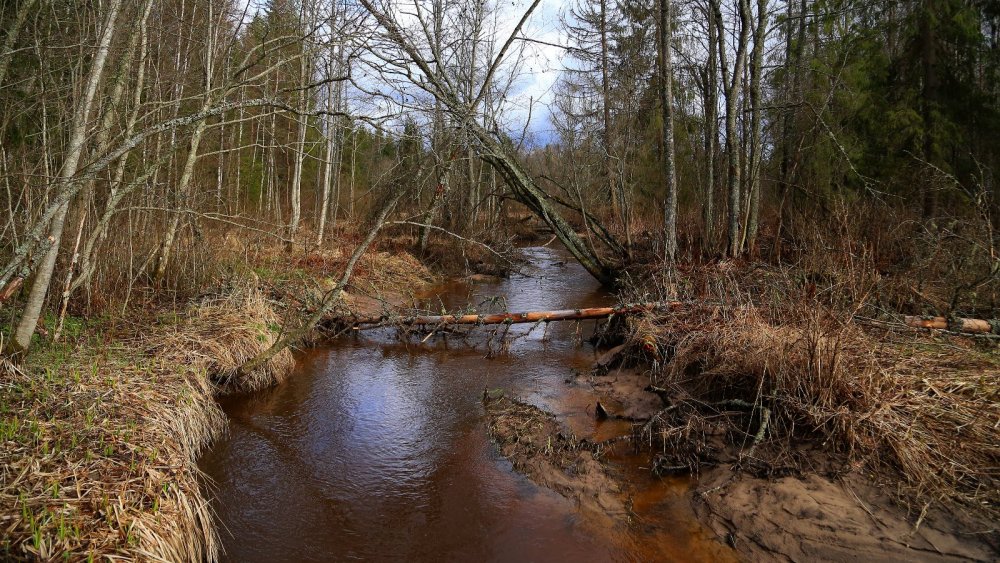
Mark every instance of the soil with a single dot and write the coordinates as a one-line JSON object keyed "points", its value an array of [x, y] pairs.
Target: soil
{"points": [[812, 517], [814, 509], [538, 446]]}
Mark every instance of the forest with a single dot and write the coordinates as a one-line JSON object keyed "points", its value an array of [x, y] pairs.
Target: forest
{"points": [[790, 209]]}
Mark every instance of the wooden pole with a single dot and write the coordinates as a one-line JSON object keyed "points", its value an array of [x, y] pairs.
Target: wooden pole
{"points": [[512, 318]]}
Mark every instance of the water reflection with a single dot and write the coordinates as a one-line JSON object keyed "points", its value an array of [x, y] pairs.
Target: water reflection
{"points": [[376, 449]]}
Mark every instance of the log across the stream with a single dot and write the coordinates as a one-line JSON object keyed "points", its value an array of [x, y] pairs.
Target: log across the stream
{"points": [[512, 318], [958, 325]]}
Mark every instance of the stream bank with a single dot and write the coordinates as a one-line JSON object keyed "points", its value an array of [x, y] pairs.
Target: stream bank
{"points": [[485, 443], [100, 433], [379, 446]]}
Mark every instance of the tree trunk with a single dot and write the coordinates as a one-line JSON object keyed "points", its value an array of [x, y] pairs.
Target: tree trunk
{"points": [[534, 198], [609, 169], [329, 299], [756, 124], [36, 298], [732, 87], [440, 143], [137, 41], [182, 198], [494, 150], [514, 318], [711, 129], [928, 99], [300, 145], [330, 165], [666, 107], [971, 326], [26, 7]]}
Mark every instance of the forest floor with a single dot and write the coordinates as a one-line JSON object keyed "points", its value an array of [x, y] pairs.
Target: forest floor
{"points": [[100, 432]]}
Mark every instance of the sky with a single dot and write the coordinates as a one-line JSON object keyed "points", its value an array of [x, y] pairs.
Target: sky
{"points": [[542, 67], [543, 62]]}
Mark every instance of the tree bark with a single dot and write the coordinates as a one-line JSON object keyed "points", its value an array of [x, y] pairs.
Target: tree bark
{"points": [[756, 125], [711, 129], [971, 326], [26, 7], [617, 203], [305, 76], [732, 87], [667, 110]]}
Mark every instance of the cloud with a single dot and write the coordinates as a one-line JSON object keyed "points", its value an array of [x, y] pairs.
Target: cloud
{"points": [[542, 66]]}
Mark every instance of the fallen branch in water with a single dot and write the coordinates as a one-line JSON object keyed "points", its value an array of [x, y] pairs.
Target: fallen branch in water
{"points": [[365, 323]]}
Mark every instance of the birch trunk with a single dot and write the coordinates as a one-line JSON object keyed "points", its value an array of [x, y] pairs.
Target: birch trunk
{"points": [[331, 157], [732, 88], [182, 197], [438, 146], [756, 124], [184, 184], [43, 278], [300, 144], [137, 41]]}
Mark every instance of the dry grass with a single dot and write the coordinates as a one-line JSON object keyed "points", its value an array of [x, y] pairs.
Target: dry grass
{"points": [[100, 444], [98, 457], [926, 414], [222, 332]]}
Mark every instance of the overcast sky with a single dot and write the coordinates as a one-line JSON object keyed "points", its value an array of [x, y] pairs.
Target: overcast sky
{"points": [[542, 64]]}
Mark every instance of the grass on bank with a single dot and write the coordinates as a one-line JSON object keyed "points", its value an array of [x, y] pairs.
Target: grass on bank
{"points": [[99, 438], [97, 456], [904, 406], [99, 434]]}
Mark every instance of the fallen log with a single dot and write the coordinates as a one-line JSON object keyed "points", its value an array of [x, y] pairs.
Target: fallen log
{"points": [[955, 324], [511, 318]]}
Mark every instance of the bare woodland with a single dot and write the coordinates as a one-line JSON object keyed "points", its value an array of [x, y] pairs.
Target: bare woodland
{"points": [[833, 157]]}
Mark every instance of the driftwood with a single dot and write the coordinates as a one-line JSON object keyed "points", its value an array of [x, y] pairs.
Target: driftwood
{"points": [[511, 318], [955, 324]]}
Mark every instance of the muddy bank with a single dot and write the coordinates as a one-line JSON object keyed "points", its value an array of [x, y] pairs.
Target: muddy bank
{"points": [[792, 501], [811, 517], [553, 457]]}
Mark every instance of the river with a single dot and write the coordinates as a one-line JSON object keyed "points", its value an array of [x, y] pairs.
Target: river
{"points": [[376, 447]]}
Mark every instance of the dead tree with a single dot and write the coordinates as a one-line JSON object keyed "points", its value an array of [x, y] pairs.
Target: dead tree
{"points": [[500, 154]]}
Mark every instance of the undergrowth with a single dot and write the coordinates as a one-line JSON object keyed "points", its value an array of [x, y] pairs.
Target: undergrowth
{"points": [[786, 352]]}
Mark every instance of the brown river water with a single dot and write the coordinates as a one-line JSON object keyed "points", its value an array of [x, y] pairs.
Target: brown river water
{"points": [[376, 448]]}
